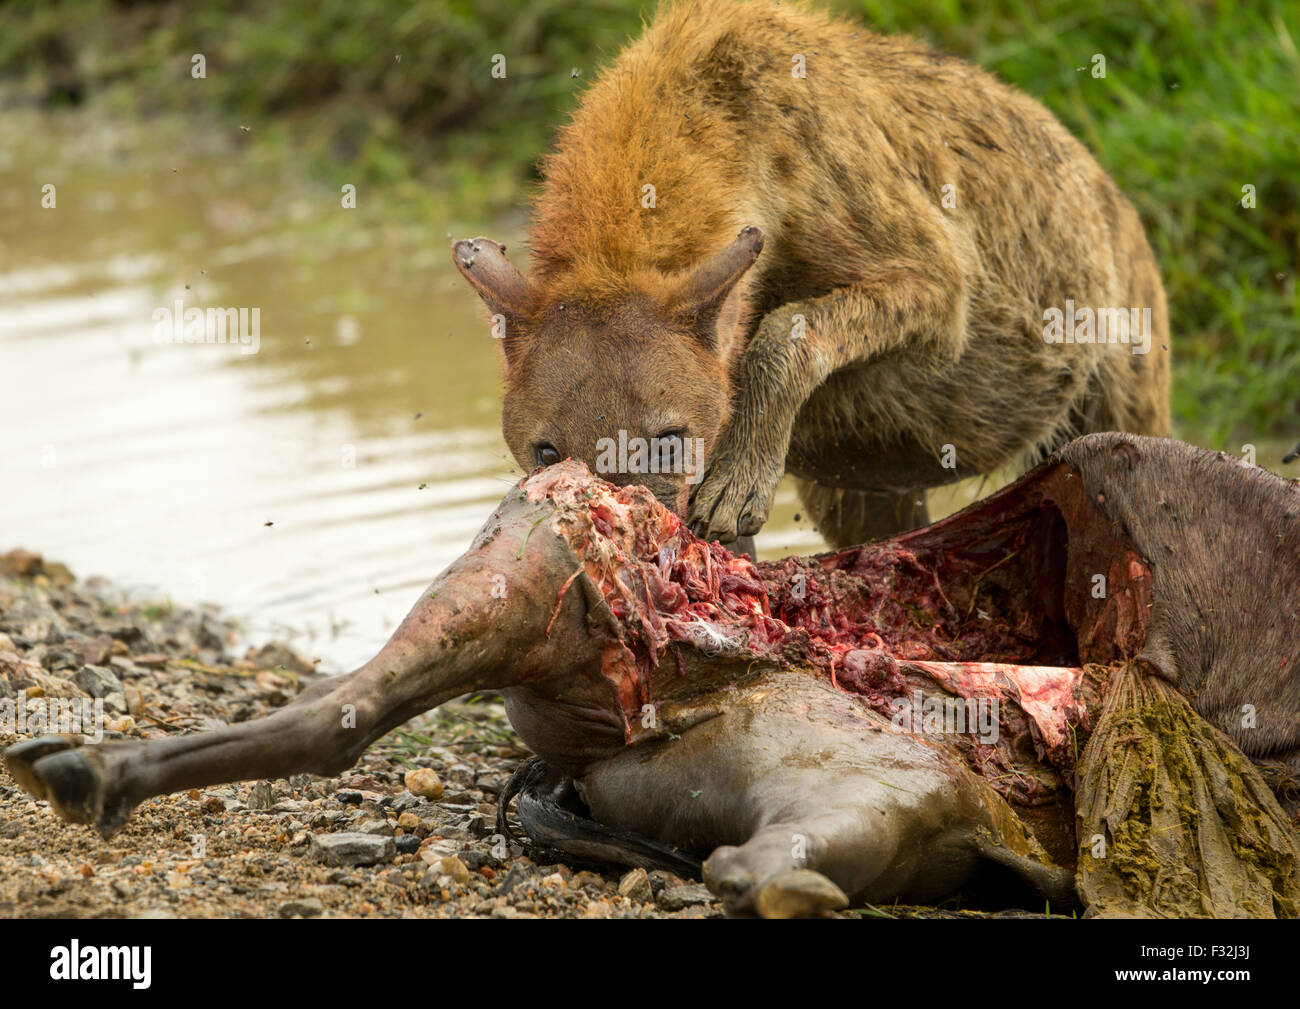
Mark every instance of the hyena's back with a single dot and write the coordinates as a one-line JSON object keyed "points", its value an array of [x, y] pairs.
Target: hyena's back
{"points": [[847, 169]]}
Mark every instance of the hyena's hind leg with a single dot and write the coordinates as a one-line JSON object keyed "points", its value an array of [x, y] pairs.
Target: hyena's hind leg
{"points": [[1132, 395], [1128, 393], [1129, 388], [846, 518]]}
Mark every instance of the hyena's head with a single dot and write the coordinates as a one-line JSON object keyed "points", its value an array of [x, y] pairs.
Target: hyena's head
{"points": [[628, 374]]}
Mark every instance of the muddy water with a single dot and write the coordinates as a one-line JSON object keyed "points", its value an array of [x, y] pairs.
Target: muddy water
{"points": [[313, 487]]}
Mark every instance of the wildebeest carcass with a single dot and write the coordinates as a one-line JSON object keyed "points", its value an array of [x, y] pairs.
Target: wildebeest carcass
{"points": [[1085, 681]]}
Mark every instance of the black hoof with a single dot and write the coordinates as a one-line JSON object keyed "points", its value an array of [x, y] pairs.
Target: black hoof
{"points": [[73, 784], [19, 759], [71, 778]]}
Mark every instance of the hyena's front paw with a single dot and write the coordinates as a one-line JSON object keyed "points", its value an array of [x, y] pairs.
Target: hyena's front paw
{"points": [[734, 497]]}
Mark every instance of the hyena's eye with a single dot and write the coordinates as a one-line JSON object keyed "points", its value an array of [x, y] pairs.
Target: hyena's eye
{"points": [[668, 445], [546, 454]]}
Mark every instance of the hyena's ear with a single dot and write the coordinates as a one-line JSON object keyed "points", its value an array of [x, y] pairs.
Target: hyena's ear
{"points": [[703, 301], [503, 289]]}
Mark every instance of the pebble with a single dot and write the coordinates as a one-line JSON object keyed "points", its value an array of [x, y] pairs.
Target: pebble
{"points": [[134, 701], [635, 885], [452, 866], [461, 775], [277, 655], [424, 782], [304, 907], [94, 651], [98, 681], [676, 898], [349, 848]]}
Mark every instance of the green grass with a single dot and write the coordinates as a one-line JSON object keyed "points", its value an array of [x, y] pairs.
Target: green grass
{"points": [[1199, 100], [395, 93]]}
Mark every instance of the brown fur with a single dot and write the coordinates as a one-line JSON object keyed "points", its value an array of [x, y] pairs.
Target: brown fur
{"points": [[923, 323]]}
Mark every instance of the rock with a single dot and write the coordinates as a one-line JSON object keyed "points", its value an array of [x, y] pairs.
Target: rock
{"points": [[59, 574], [674, 898], [661, 879], [450, 865], [404, 802], [461, 775], [635, 885], [478, 858], [517, 875], [376, 828], [59, 659], [22, 563], [408, 821], [261, 796], [587, 880], [98, 681], [280, 688], [434, 849], [135, 703], [350, 848], [277, 655], [424, 782], [94, 651], [303, 907], [209, 635]]}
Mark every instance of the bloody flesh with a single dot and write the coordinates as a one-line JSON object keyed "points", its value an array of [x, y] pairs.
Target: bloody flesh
{"points": [[933, 614]]}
